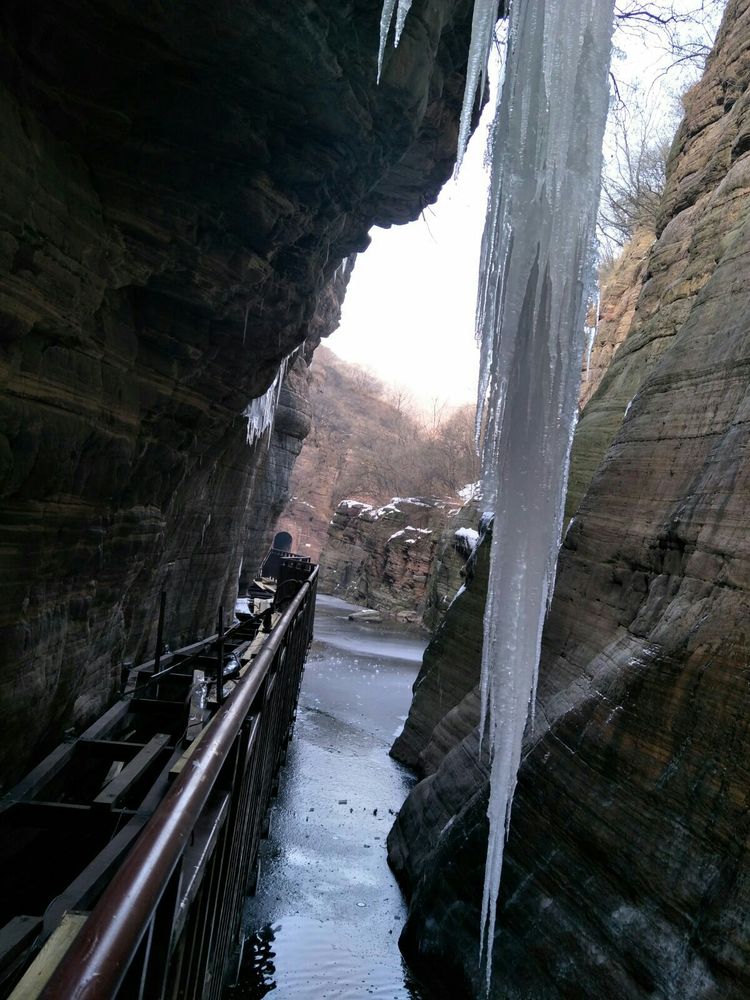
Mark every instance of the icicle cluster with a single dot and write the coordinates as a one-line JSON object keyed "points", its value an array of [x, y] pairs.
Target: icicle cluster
{"points": [[261, 411], [482, 32], [385, 26], [536, 274]]}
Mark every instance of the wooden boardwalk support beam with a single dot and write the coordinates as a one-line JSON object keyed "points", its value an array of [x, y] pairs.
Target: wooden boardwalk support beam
{"points": [[113, 793]]}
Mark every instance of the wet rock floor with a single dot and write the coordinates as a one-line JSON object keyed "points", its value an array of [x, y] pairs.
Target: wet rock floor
{"points": [[327, 914]]}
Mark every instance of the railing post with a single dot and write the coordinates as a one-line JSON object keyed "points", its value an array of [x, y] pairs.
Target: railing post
{"points": [[220, 658]]}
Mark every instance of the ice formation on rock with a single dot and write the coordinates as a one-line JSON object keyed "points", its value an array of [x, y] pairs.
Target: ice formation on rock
{"points": [[535, 279], [536, 276], [591, 332], [385, 24], [261, 411]]}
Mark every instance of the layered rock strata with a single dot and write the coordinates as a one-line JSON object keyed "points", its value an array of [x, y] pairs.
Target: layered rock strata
{"points": [[273, 469], [178, 188], [445, 706], [618, 296], [626, 870], [450, 565], [402, 558]]}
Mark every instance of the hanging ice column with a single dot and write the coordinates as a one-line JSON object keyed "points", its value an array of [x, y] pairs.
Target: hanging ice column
{"points": [[537, 261], [260, 412], [536, 271]]}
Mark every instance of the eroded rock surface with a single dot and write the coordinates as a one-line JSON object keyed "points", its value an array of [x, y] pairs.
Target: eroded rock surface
{"points": [[619, 292], [445, 707], [179, 185], [627, 870], [276, 455], [401, 558]]}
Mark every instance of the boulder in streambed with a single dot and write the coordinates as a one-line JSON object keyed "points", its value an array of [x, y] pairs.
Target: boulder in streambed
{"points": [[366, 615]]}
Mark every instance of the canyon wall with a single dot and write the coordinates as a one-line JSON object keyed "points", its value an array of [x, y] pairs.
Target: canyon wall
{"points": [[404, 558], [626, 871], [179, 186]]}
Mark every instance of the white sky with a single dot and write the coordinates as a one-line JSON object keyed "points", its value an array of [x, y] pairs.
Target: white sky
{"points": [[408, 315]]}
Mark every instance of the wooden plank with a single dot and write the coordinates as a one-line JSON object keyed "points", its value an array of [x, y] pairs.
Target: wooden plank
{"points": [[114, 769], [112, 794], [89, 883], [115, 749], [85, 889], [255, 647], [107, 722], [39, 972], [182, 761]]}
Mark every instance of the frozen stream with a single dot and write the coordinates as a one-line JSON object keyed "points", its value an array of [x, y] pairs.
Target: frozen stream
{"points": [[328, 912]]}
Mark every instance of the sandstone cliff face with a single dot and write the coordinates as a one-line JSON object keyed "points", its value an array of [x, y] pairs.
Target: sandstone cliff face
{"points": [[402, 558], [179, 185], [445, 707], [618, 296], [627, 865]]}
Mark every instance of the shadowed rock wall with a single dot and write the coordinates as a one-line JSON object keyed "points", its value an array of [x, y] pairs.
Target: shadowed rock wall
{"points": [[626, 870], [179, 184]]}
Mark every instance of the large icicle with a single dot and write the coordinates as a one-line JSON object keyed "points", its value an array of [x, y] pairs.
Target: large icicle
{"points": [[537, 260], [260, 412], [536, 275], [482, 32]]}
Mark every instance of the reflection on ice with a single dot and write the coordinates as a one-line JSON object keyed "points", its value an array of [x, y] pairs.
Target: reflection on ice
{"points": [[327, 914], [384, 642]]}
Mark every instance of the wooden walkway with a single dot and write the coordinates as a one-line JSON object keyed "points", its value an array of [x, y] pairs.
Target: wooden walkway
{"points": [[129, 852]]}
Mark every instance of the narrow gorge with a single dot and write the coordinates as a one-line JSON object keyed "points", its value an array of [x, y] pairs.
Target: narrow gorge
{"points": [[185, 190]]}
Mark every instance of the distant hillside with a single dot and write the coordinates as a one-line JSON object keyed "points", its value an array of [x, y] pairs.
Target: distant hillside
{"points": [[365, 445]]}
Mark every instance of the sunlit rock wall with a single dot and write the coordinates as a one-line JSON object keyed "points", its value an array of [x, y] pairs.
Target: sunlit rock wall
{"points": [[626, 870], [178, 185], [396, 558]]}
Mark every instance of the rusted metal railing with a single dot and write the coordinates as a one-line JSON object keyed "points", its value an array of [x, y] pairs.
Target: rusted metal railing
{"points": [[169, 922]]}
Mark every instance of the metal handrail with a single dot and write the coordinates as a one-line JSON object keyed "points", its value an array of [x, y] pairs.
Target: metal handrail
{"points": [[98, 959]]}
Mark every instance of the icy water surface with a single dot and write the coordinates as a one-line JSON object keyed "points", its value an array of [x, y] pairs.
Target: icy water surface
{"points": [[328, 912]]}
